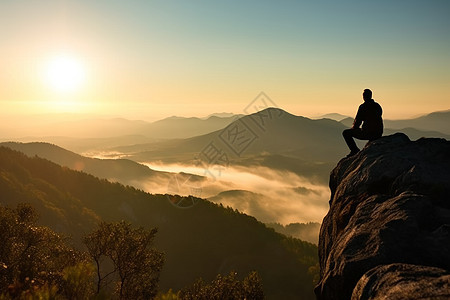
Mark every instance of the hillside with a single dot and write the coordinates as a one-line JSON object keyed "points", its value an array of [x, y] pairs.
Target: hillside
{"points": [[124, 171], [305, 231], [386, 235], [279, 201], [243, 201], [201, 241]]}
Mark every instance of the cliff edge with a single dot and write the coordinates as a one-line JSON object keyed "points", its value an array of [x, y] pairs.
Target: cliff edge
{"points": [[387, 233]]}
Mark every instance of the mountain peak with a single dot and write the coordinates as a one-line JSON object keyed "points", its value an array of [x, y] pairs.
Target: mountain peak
{"points": [[271, 113], [333, 116], [222, 115], [272, 110], [388, 222]]}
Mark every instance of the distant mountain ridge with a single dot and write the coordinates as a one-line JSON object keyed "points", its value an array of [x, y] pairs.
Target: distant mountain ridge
{"points": [[333, 116], [224, 115], [172, 127], [182, 127], [272, 130], [276, 139], [277, 131], [437, 121], [168, 128]]}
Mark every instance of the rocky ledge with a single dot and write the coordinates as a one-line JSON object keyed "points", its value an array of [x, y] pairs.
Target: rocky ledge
{"points": [[387, 233]]}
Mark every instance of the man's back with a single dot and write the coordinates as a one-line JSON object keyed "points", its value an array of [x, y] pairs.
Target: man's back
{"points": [[369, 114]]}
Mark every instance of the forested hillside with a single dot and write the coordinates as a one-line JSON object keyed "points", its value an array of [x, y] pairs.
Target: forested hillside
{"points": [[200, 241]]}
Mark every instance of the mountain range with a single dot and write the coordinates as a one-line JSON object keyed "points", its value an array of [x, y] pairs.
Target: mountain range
{"points": [[81, 133], [84, 127], [266, 144], [275, 139], [200, 241]]}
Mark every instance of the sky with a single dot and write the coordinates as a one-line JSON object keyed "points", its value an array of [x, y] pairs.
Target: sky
{"points": [[154, 59]]}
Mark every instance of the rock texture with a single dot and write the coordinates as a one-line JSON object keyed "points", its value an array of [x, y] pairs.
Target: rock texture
{"points": [[387, 233], [403, 281]]}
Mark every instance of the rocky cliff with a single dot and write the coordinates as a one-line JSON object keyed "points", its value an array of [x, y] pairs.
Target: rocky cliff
{"points": [[387, 233]]}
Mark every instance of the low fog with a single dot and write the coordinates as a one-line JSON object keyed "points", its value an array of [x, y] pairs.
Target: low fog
{"points": [[270, 196]]}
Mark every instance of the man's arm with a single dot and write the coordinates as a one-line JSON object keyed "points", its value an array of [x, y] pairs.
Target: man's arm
{"points": [[358, 119]]}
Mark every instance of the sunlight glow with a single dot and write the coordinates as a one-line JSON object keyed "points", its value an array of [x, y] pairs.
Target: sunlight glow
{"points": [[65, 73]]}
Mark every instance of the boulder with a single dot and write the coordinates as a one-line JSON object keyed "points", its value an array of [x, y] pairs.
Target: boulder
{"points": [[390, 204], [403, 281]]}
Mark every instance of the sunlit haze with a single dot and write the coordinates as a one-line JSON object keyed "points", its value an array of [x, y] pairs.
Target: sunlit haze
{"points": [[64, 74], [153, 59]]}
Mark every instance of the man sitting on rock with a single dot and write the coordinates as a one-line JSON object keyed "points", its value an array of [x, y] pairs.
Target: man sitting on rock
{"points": [[369, 115]]}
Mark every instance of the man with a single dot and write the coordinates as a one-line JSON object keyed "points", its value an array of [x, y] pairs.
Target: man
{"points": [[369, 115]]}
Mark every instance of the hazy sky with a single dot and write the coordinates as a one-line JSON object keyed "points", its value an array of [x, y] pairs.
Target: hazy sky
{"points": [[150, 59]]}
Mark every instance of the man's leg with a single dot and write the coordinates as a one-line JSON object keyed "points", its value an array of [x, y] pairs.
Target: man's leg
{"points": [[351, 133], [348, 136]]}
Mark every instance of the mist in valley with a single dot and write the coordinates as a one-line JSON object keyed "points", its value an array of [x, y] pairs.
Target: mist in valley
{"points": [[270, 196]]}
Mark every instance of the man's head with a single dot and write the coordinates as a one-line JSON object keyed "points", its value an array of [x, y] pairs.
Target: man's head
{"points": [[367, 94]]}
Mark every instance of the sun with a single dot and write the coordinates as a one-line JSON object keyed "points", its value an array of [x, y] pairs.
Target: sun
{"points": [[65, 73]]}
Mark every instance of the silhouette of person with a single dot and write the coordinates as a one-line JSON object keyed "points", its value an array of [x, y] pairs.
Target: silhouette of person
{"points": [[369, 115]]}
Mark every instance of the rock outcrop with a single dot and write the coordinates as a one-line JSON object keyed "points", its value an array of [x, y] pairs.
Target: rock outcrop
{"points": [[387, 233]]}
